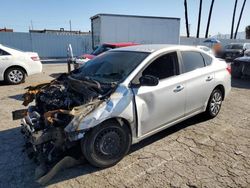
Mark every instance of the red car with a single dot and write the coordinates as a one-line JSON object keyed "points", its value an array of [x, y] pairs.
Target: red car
{"points": [[102, 48]]}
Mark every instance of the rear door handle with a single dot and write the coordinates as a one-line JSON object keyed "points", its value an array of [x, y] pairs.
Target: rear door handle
{"points": [[209, 78], [178, 88]]}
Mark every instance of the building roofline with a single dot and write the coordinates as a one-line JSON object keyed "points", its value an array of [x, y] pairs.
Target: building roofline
{"points": [[133, 16]]}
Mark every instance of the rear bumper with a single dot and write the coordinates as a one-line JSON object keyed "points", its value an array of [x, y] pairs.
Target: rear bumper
{"points": [[36, 68], [228, 84]]}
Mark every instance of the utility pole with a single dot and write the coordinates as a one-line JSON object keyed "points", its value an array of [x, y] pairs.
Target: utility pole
{"points": [[199, 20], [232, 28], [70, 25], [241, 12]]}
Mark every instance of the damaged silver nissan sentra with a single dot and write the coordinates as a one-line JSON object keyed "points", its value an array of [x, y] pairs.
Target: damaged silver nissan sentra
{"points": [[120, 98]]}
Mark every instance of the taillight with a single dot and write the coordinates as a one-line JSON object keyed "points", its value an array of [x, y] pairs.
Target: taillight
{"points": [[229, 69], [35, 58]]}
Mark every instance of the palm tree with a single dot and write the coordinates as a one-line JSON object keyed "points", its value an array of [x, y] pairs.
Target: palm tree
{"points": [[241, 12], [186, 17], [199, 20], [209, 18], [232, 28]]}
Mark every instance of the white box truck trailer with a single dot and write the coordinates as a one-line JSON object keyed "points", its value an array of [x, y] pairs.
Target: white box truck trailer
{"points": [[111, 28]]}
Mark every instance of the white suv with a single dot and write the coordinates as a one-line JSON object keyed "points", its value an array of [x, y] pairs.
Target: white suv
{"points": [[15, 65]]}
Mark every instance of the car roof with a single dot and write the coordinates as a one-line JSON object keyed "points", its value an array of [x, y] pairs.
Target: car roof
{"points": [[150, 48], [202, 46], [121, 44]]}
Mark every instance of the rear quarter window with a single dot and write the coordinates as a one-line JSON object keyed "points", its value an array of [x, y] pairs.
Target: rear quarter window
{"points": [[208, 60], [192, 60], [2, 52]]}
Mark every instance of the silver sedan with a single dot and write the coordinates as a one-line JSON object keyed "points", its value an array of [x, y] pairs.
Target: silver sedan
{"points": [[124, 96]]}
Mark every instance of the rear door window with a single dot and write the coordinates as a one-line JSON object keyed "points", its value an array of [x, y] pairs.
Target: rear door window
{"points": [[192, 60]]}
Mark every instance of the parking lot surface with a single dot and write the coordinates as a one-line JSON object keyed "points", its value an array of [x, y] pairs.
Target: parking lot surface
{"points": [[195, 153]]}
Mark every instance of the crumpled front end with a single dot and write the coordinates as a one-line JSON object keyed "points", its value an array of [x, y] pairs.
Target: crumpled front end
{"points": [[57, 104], [44, 143]]}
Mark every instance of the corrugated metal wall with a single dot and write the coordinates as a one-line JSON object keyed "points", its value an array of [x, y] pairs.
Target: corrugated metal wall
{"points": [[55, 45], [47, 45]]}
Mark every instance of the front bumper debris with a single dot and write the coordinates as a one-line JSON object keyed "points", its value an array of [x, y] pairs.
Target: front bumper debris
{"points": [[44, 144]]}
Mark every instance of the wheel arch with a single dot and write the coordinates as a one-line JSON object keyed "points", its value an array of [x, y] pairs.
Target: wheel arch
{"points": [[222, 89], [122, 122], [16, 66]]}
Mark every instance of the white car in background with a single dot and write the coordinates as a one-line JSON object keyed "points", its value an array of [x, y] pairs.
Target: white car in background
{"points": [[15, 65], [206, 49]]}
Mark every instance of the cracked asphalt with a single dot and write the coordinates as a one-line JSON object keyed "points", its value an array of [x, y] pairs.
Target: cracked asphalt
{"points": [[194, 153]]}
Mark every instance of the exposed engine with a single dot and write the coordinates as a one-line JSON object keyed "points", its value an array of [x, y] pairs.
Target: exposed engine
{"points": [[43, 126]]}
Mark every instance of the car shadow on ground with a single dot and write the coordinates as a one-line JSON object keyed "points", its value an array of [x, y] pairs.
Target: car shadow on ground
{"points": [[2, 83], [18, 97], [70, 173], [86, 168], [243, 83]]}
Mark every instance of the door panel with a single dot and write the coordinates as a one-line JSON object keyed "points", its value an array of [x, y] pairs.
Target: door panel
{"points": [[159, 105], [199, 85], [199, 80]]}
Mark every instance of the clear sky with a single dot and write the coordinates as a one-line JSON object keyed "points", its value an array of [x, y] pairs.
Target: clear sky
{"points": [[54, 14]]}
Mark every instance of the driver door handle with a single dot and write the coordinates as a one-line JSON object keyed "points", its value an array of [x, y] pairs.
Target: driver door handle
{"points": [[209, 78], [178, 88]]}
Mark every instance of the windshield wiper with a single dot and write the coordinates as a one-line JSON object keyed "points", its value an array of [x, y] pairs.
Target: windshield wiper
{"points": [[93, 81]]}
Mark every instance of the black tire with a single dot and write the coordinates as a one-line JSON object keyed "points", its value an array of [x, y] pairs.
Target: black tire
{"points": [[14, 76], [106, 144], [214, 103]]}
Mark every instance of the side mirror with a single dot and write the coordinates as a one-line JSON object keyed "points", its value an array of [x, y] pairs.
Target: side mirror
{"points": [[149, 80]]}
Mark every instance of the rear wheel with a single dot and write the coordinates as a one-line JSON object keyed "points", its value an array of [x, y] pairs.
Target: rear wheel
{"points": [[14, 75], [106, 144], [214, 103]]}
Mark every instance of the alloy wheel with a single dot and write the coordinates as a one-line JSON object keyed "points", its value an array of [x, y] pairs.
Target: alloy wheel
{"points": [[15, 76], [215, 104]]}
